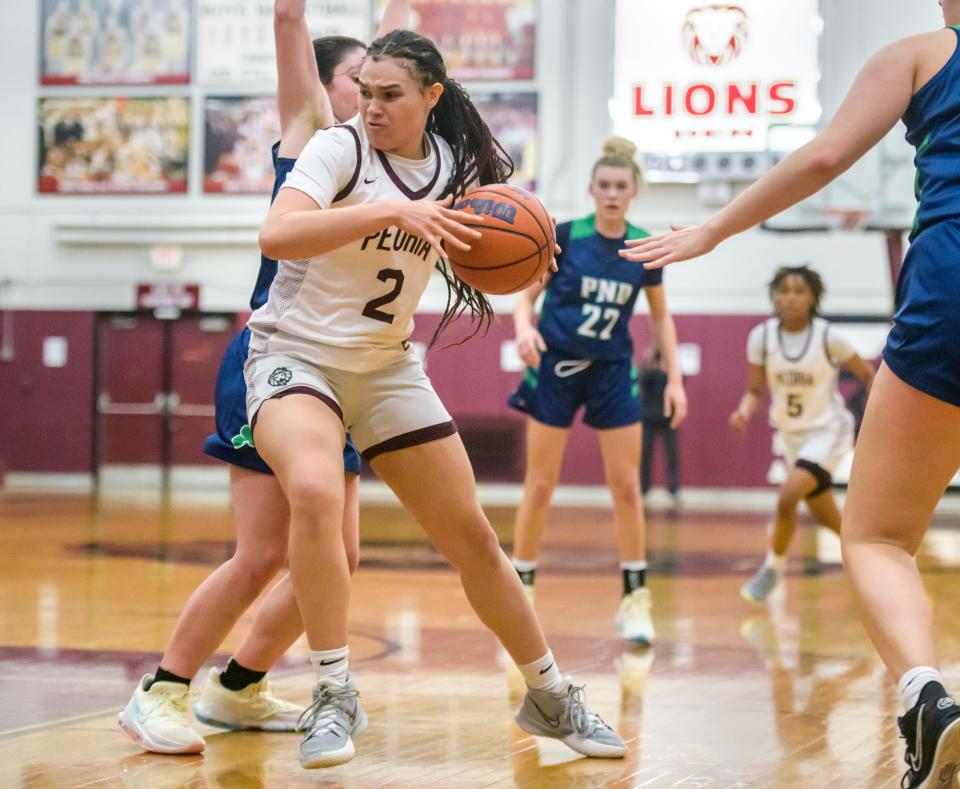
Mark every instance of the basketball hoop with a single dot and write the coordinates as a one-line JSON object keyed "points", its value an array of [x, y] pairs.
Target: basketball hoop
{"points": [[845, 219]]}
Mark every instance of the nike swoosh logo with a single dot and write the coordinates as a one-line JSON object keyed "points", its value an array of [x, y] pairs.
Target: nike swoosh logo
{"points": [[555, 722], [917, 763], [331, 662], [544, 671], [369, 180]]}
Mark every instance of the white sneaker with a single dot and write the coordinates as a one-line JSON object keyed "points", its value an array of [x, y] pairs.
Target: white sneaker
{"points": [[331, 723], [158, 719], [633, 617], [255, 707]]}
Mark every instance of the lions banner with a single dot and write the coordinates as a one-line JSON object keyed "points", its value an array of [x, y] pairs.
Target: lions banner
{"points": [[701, 76]]}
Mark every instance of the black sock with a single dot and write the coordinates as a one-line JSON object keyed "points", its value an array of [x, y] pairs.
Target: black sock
{"points": [[237, 677], [633, 580], [526, 576], [162, 675]]}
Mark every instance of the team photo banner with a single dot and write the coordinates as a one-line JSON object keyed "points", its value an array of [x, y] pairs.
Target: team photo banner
{"points": [[115, 42], [113, 145]]}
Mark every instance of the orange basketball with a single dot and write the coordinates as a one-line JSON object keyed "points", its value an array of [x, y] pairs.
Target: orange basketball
{"points": [[516, 244]]}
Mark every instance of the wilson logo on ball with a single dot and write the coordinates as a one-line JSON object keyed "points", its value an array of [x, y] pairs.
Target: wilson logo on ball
{"points": [[715, 34], [486, 207]]}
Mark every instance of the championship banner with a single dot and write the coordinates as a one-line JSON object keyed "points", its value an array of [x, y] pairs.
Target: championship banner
{"points": [[238, 134], [235, 37], [700, 77], [115, 145], [479, 39], [115, 42]]}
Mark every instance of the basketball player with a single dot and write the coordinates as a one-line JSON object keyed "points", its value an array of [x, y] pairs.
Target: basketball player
{"points": [[909, 445], [580, 353], [798, 355], [315, 86], [357, 227]]}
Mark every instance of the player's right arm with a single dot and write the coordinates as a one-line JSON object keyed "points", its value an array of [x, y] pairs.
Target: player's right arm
{"points": [[750, 401], [530, 343], [302, 101]]}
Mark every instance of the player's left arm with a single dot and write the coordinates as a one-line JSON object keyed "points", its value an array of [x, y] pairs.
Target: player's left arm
{"points": [[877, 99], [862, 369], [665, 336]]}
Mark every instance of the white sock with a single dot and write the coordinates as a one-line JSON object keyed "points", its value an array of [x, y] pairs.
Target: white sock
{"points": [[634, 566], [778, 563], [331, 664], [542, 674], [524, 565], [913, 682]]}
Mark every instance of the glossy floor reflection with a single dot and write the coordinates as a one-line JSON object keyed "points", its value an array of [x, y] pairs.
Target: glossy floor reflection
{"points": [[733, 695]]}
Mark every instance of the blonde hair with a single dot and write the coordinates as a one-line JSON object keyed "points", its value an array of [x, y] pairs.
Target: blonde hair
{"points": [[620, 152]]}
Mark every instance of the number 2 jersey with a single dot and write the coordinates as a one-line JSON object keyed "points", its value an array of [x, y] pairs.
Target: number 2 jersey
{"points": [[587, 304], [802, 371], [352, 308]]}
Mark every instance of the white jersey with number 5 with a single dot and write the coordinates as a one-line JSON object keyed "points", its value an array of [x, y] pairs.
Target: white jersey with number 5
{"points": [[352, 308], [802, 373]]}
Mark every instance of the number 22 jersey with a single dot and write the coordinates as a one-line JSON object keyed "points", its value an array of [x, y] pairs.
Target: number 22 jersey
{"points": [[352, 308]]}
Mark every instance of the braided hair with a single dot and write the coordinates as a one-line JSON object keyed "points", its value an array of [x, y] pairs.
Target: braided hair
{"points": [[812, 278], [477, 156]]}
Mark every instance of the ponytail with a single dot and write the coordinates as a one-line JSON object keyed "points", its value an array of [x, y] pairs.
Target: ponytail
{"points": [[477, 156]]}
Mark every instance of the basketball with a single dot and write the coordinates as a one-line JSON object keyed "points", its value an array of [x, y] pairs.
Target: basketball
{"points": [[517, 241]]}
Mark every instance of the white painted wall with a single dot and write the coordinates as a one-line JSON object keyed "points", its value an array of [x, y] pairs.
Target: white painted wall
{"points": [[218, 233]]}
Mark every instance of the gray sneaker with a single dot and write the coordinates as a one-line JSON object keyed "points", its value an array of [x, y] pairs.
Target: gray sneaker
{"points": [[564, 716], [329, 722], [761, 586]]}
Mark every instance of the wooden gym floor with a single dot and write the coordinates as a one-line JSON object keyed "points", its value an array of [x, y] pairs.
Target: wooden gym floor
{"points": [[733, 695]]}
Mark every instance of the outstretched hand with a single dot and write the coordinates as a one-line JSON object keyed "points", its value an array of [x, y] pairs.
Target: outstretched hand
{"points": [[681, 243]]}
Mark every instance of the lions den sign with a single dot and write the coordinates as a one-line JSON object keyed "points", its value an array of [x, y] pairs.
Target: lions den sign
{"points": [[714, 76]]}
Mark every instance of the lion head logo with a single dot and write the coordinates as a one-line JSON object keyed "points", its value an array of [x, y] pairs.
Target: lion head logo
{"points": [[715, 34]]}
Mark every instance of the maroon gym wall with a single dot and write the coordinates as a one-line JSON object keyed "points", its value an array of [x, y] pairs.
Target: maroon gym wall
{"points": [[53, 407], [47, 421]]}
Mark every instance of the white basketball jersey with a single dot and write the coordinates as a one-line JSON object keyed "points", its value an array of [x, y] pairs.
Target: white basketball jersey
{"points": [[352, 308], [803, 389]]}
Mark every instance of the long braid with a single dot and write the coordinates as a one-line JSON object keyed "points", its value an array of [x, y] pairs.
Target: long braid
{"points": [[477, 156]]}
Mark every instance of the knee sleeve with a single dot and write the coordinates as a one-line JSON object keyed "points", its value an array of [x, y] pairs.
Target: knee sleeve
{"points": [[820, 474]]}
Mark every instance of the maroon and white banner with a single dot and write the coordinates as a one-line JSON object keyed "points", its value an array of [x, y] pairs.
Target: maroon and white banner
{"points": [[701, 76]]}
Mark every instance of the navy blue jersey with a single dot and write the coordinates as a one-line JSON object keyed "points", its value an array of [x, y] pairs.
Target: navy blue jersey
{"points": [[922, 347], [268, 267], [588, 302], [933, 128]]}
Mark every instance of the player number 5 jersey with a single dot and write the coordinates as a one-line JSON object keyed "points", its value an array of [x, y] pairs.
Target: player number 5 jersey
{"points": [[803, 388]]}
